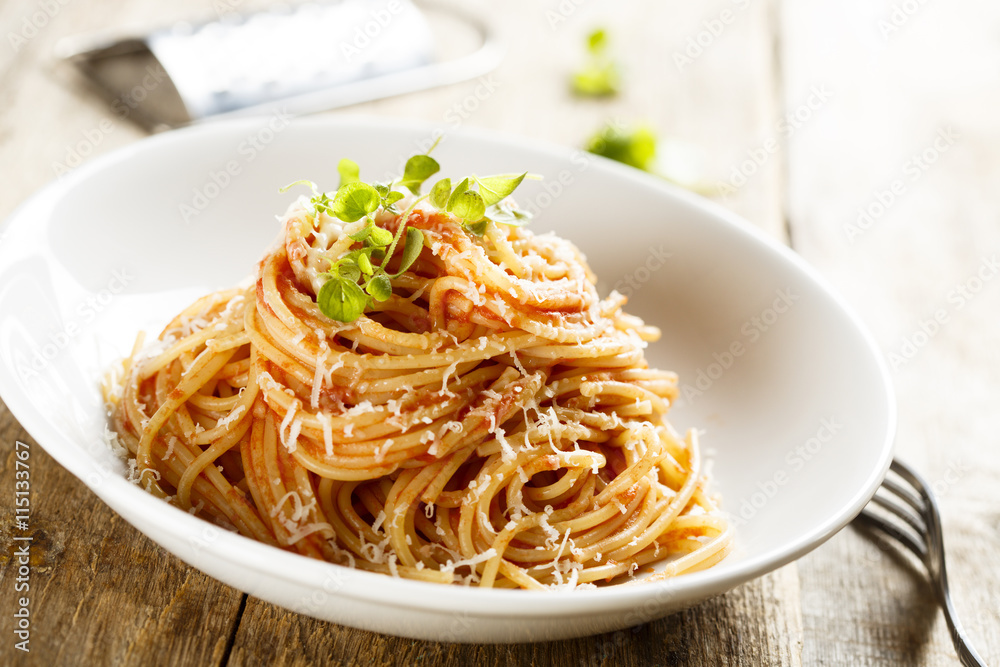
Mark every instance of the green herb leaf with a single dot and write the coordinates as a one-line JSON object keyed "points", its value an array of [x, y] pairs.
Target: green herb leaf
{"points": [[364, 233], [359, 274], [455, 194], [381, 237], [418, 169], [312, 186], [391, 198], [597, 41], [479, 228], [348, 270], [380, 287], [460, 188], [494, 188], [440, 193], [468, 205], [414, 244], [636, 148], [321, 203], [508, 215], [341, 300], [597, 79], [349, 172], [354, 201]]}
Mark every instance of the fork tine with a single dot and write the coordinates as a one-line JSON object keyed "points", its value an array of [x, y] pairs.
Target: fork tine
{"points": [[900, 501], [931, 551], [929, 513], [913, 518], [873, 520], [906, 493]]}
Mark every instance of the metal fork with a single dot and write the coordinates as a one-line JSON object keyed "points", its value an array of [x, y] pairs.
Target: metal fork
{"points": [[907, 497]]}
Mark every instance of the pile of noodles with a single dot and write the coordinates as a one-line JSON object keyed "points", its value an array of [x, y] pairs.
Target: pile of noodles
{"points": [[493, 423]]}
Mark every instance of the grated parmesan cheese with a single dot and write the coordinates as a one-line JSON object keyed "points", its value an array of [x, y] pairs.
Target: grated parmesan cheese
{"points": [[324, 420], [383, 450], [227, 420], [294, 426]]}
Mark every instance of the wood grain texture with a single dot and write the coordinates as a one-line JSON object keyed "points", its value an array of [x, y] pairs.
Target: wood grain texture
{"points": [[913, 98], [728, 630], [107, 595], [101, 593], [734, 629]]}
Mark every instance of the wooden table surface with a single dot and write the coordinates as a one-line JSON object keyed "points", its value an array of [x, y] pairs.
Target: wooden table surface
{"points": [[862, 132]]}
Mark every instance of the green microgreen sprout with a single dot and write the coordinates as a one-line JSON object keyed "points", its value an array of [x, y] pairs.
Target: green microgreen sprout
{"points": [[477, 200], [599, 76], [635, 147], [676, 161], [359, 277]]}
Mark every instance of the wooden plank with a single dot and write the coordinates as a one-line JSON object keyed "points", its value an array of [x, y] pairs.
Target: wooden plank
{"points": [[727, 630], [98, 589], [891, 192]]}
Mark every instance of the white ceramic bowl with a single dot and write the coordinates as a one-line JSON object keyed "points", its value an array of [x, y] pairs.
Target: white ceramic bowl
{"points": [[792, 395]]}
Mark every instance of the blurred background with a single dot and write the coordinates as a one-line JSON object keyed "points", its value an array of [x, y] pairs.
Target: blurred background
{"points": [[862, 133]]}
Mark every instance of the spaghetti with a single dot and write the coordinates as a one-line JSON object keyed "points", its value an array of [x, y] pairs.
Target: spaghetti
{"points": [[492, 422]]}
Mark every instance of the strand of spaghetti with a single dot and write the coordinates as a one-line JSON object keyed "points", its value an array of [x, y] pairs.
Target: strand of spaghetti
{"points": [[205, 366], [708, 555], [202, 308]]}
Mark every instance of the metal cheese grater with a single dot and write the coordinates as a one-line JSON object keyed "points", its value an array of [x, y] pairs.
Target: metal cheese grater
{"points": [[300, 59]]}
